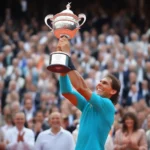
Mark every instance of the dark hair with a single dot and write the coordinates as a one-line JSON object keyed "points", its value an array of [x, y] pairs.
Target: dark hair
{"points": [[116, 86], [38, 111], [133, 117]]}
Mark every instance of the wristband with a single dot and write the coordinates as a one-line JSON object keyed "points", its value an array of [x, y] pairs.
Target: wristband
{"points": [[71, 65]]}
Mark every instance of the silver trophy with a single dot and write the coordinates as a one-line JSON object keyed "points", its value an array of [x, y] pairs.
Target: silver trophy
{"points": [[65, 23]]}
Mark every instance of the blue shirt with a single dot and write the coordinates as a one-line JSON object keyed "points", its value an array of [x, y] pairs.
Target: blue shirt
{"points": [[96, 119]]}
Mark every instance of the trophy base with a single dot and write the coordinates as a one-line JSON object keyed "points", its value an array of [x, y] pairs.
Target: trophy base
{"points": [[58, 68], [59, 62]]}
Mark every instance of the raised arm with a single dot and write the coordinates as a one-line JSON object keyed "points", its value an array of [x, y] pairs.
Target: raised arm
{"points": [[76, 79], [79, 84], [72, 95]]}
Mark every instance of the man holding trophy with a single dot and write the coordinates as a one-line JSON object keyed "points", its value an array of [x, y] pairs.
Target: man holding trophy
{"points": [[97, 108]]}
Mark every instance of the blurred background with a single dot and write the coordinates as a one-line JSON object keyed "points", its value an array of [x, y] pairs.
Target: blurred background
{"points": [[27, 9]]}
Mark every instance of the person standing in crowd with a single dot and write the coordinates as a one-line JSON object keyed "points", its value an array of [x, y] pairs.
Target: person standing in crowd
{"points": [[98, 108], [28, 109], [19, 137], [130, 136], [55, 138], [8, 124]]}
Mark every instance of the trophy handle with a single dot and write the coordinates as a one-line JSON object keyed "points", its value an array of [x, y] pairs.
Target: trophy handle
{"points": [[48, 17], [80, 16]]}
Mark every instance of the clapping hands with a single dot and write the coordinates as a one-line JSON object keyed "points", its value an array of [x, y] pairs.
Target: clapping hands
{"points": [[20, 137], [130, 144]]}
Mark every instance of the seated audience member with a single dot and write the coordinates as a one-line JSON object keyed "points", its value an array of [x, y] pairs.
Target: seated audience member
{"points": [[130, 137], [55, 138], [19, 137]]}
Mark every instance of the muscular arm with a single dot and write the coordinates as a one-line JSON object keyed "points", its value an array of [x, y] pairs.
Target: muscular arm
{"points": [[83, 93], [79, 84], [70, 93], [76, 79]]}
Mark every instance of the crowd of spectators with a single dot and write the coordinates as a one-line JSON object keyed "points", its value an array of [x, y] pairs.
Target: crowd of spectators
{"points": [[119, 46]]}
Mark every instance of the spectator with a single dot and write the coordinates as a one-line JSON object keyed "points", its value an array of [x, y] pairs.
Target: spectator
{"points": [[39, 117], [147, 73], [65, 124], [28, 109], [3, 93], [15, 107], [130, 136], [19, 137], [37, 129], [145, 92], [134, 44], [133, 96], [8, 55], [8, 124], [56, 134], [12, 96], [141, 115]]}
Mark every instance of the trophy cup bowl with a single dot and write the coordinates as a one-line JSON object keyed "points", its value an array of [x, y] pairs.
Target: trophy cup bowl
{"points": [[65, 23]]}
